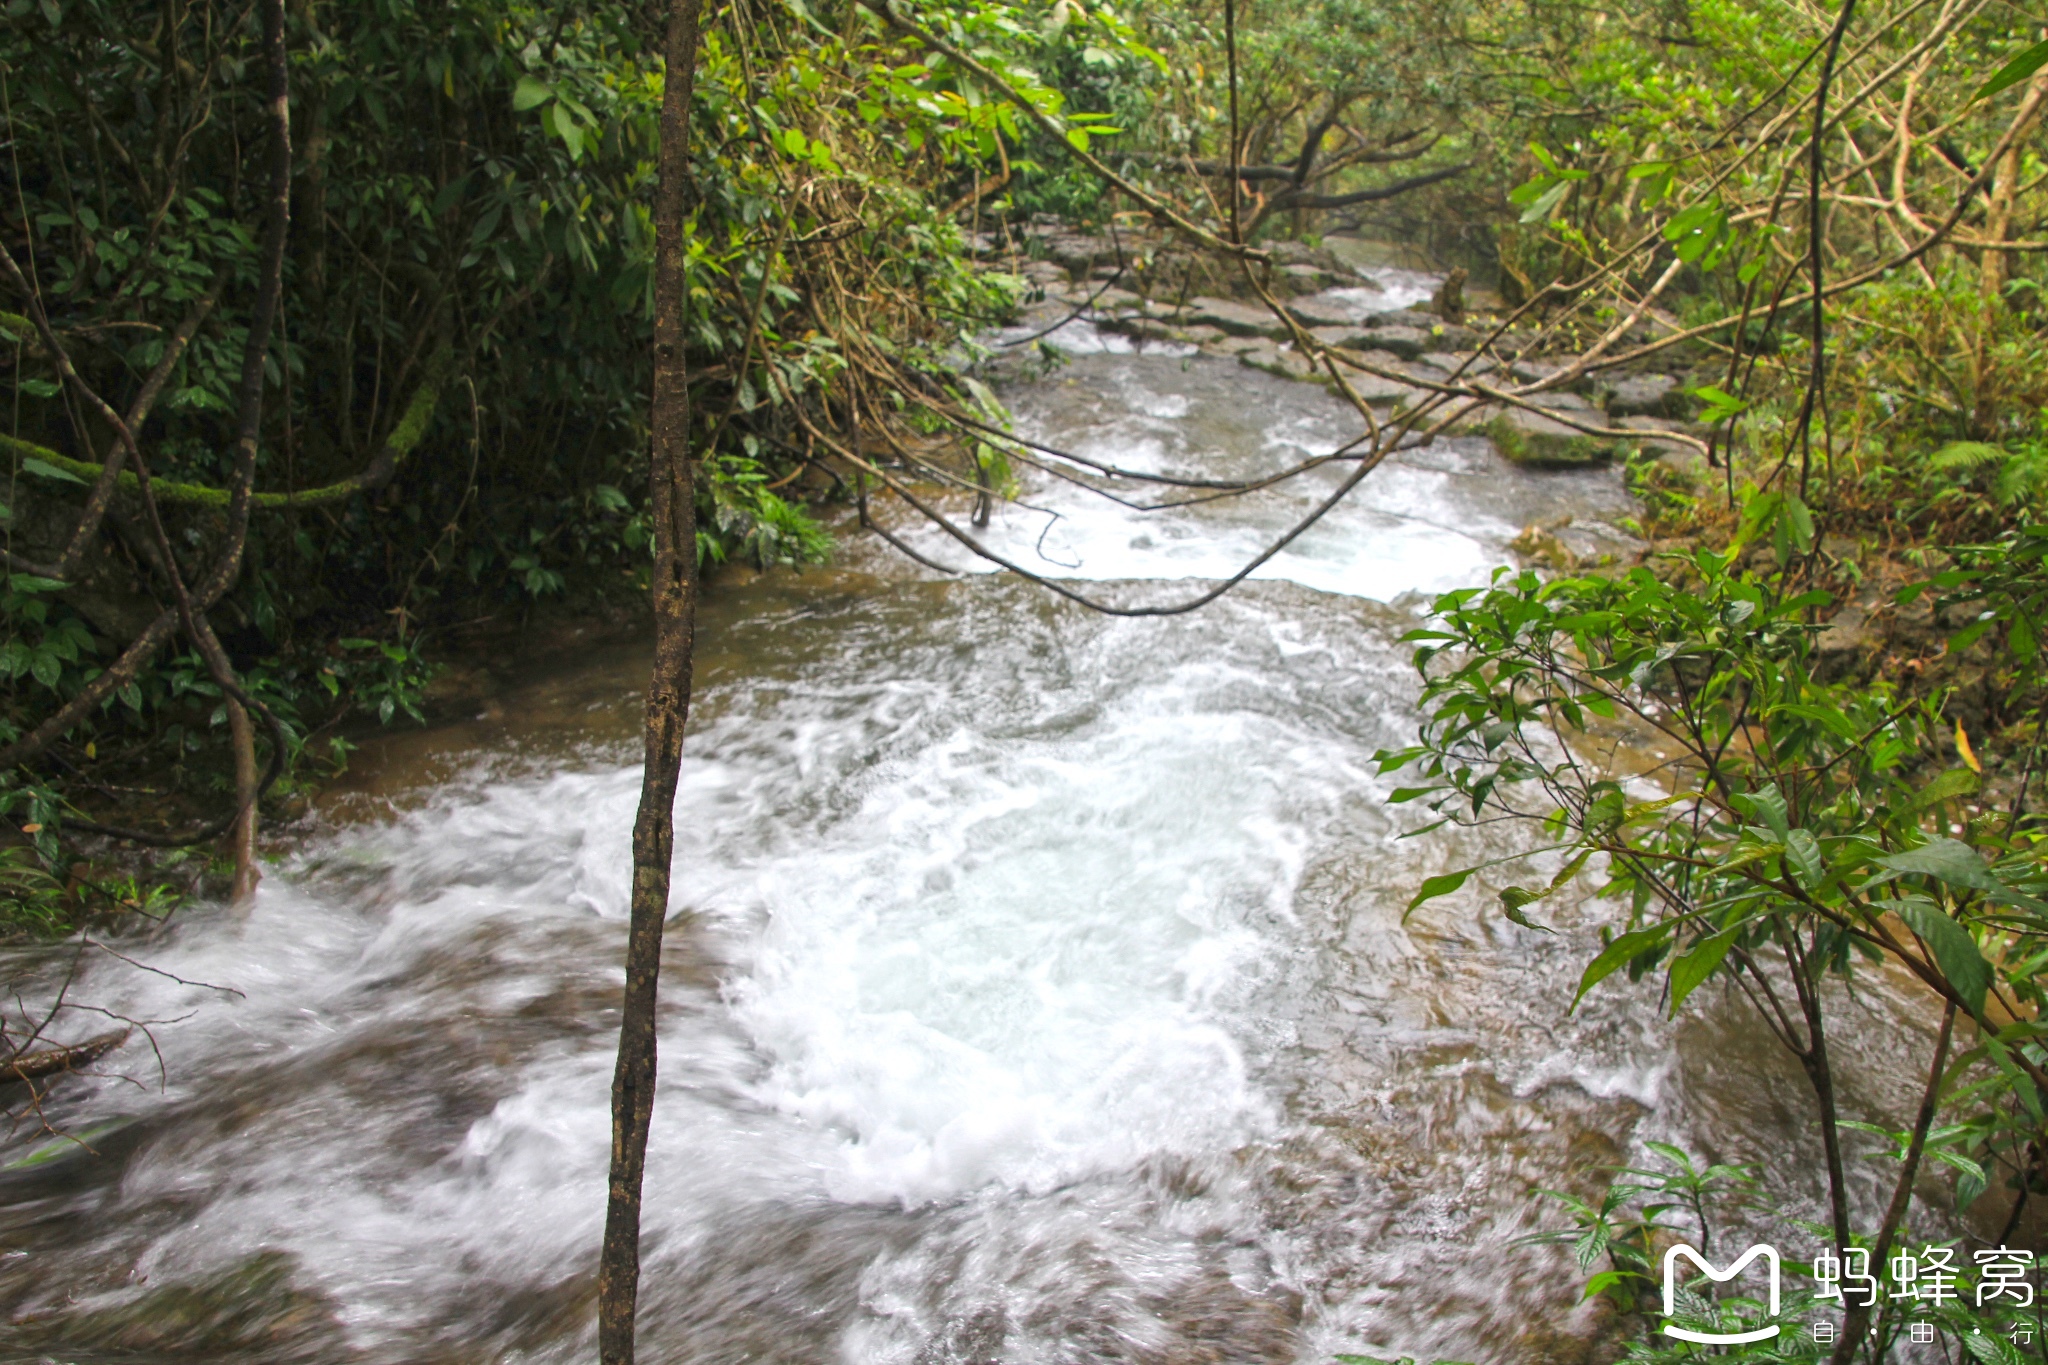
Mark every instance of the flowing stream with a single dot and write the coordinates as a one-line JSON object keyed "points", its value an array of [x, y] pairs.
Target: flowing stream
{"points": [[1039, 990]]}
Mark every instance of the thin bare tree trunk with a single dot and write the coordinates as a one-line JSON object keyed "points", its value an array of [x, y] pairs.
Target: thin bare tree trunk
{"points": [[242, 836], [672, 502]]}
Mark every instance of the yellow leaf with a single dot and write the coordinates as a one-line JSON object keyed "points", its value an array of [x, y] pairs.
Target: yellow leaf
{"points": [[31, 829], [1963, 748]]}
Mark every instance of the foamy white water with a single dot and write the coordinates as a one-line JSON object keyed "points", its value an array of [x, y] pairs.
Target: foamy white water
{"points": [[1039, 990], [1428, 520]]}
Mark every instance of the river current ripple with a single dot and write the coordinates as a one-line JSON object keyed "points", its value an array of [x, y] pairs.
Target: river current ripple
{"points": [[1039, 990]]}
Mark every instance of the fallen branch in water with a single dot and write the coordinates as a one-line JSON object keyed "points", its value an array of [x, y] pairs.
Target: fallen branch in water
{"points": [[34, 1066]]}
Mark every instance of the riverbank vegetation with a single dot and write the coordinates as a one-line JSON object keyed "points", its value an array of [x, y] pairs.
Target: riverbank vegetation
{"points": [[299, 406]]}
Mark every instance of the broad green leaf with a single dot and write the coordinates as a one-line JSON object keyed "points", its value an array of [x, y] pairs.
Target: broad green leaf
{"points": [[1695, 966], [1721, 405], [2014, 71], [1802, 850], [1615, 955], [529, 93], [1767, 804], [1968, 1187], [1442, 885], [44, 469], [1512, 901], [1605, 1280], [1540, 208], [1954, 782], [1957, 865], [1800, 519], [1955, 952]]}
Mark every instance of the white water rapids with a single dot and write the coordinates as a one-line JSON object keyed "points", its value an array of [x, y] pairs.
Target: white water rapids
{"points": [[1039, 992]]}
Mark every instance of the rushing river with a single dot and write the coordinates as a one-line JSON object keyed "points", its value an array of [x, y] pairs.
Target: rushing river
{"points": [[1039, 989]]}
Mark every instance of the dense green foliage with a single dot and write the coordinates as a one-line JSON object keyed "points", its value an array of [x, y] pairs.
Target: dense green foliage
{"points": [[467, 304]]}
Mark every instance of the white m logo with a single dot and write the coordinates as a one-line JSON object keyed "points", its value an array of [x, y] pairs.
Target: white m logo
{"points": [[1770, 1255]]}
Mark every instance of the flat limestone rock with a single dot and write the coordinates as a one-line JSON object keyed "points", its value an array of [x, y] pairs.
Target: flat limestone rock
{"points": [[1562, 401], [1227, 345], [1406, 342], [1535, 371], [1475, 420], [1114, 300], [1443, 336], [1349, 338], [1283, 361], [1376, 391], [1238, 319], [1079, 252], [1645, 395], [1453, 362], [1316, 311], [1383, 360], [1676, 454], [1530, 438], [1155, 329]]}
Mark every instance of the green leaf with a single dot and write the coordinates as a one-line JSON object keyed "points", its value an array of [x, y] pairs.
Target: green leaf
{"points": [[1695, 966], [1693, 230], [2014, 71], [63, 1146], [529, 93], [44, 469], [1947, 861], [1720, 405], [1954, 782], [1968, 1187], [565, 127], [1605, 1280], [1617, 954], [1442, 885], [1767, 804], [1512, 901], [1802, 850], [1955, 952], [1540, 209]]}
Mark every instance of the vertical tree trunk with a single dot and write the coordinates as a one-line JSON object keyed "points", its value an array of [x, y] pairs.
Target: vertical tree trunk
{"points": [[242, 834], [673, 505]]}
